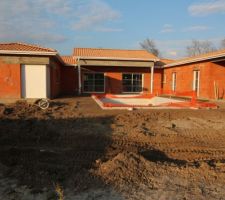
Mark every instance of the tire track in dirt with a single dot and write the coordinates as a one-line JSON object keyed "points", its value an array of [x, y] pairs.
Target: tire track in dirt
{"points": [[190, 154]]}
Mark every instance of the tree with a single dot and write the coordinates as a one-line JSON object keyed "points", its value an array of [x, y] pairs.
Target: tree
{"points": [[223, 44], [150, 46], [199, 47]]}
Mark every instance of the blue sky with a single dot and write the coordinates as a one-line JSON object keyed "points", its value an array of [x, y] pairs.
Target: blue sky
{"points": [[65, 24]]}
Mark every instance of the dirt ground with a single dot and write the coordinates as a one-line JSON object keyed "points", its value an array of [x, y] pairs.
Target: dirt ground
{"points": [[76, 150]]}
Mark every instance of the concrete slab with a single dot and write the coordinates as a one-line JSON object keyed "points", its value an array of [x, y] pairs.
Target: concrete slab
{"points": [[130, 103], [140, 101]]}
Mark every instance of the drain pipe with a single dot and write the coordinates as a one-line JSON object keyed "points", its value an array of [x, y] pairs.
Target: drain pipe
{"points": [[79, 76]]}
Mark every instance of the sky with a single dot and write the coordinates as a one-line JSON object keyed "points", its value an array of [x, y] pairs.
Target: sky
{"points": [[120, 24]]}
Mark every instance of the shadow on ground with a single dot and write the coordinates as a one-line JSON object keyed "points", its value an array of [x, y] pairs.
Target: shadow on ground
{"points": [[41, 153], [159, 156]]}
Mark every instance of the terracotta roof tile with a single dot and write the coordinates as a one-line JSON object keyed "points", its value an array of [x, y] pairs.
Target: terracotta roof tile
{"points": [[166, 61], [18, 46], [69, 60], [162, 62], [205, 56], [114, 53]]}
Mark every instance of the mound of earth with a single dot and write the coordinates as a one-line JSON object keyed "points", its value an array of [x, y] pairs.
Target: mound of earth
{"points": [[98, 154], [126, 169]]}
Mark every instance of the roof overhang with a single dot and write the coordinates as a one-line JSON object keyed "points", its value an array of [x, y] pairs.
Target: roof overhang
{"points": [[118, 63], [114, 59], [34, 53], [219, 60], [111, 61], [43, 53], [195, 60]]}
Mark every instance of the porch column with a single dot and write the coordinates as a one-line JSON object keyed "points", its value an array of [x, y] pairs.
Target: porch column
{"points": [[79, 77], [152, 79]]}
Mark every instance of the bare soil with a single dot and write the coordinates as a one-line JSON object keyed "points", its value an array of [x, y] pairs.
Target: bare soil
{"points": [[95, 154]]}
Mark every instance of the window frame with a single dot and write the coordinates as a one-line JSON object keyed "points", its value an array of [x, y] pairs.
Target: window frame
{"points": [[93, 73], [132, 85]]}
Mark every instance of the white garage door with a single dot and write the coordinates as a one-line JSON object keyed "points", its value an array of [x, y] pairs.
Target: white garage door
{"points": [[35, 81]]}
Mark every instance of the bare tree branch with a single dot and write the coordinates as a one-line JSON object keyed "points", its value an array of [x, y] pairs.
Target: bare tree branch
{"points": [[223, 44], [150, 46], [199, 47]]}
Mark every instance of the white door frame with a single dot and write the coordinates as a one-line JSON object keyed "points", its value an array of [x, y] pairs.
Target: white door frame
{"points": [[27, 74], [174, 81], [196, 75]]}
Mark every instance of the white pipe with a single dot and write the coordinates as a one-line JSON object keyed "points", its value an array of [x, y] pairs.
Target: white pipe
{"points": [[152, 79]]}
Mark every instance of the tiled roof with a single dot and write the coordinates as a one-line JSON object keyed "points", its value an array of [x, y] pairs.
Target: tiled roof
{"points": [[70, 60], [162, 62], [18, 46], [166, 61], [202, 57], [114, 54]]}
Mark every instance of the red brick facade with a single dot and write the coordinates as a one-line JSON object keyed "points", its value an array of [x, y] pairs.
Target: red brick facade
{"points": [[55, 78], [10, 82], [64, 78], [69, 80], [217, 76], [209, 73]]}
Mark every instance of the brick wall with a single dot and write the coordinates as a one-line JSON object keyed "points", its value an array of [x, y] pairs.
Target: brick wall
{"points": [[10, 84], [158, 75], [69, 80], [217, 76], [55, 78], [209, 72]]}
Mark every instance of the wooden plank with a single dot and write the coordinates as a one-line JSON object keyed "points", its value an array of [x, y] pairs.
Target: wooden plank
{"points": [[116, 63], [25, 60]]}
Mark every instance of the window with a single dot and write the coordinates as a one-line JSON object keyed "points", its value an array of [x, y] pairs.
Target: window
{"points": [[132, 83], [94, 82], [196, 81], [174, 81]]}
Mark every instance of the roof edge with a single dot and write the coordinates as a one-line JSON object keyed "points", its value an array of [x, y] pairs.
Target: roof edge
{"points": [[193, 60], [109, 49], [28, 44]]}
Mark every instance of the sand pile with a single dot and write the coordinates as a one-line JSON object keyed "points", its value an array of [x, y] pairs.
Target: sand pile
{"points": [[25, 110], [20, 109], [126, 169]]}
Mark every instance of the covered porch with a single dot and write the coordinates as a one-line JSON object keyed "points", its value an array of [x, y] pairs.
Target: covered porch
{"points": [[115, 76]]}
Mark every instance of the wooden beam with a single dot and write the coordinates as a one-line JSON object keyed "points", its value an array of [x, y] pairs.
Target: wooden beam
{"points": [[25, 60], [116, 63]]}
